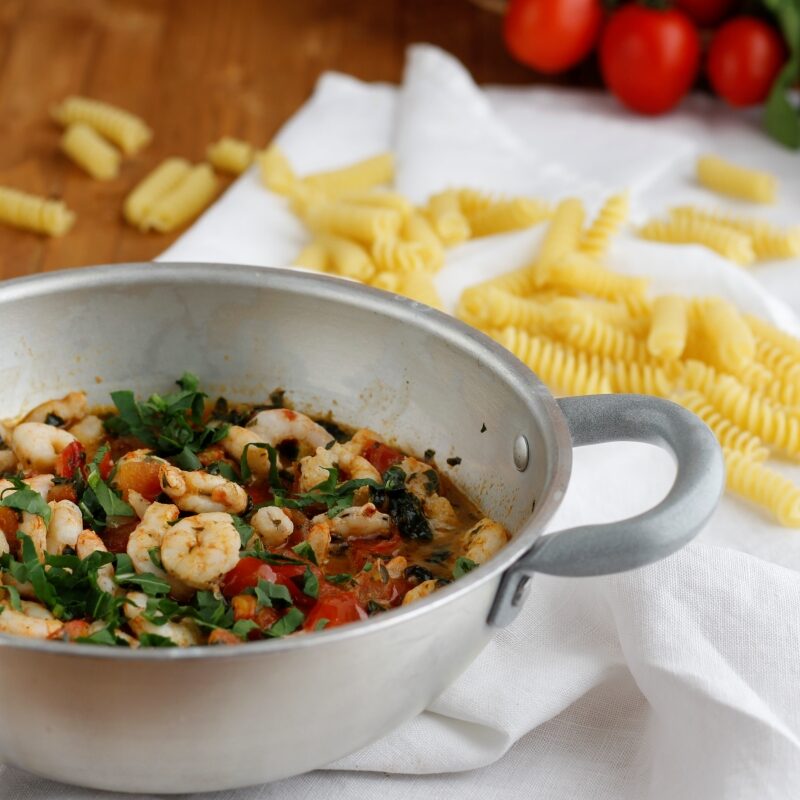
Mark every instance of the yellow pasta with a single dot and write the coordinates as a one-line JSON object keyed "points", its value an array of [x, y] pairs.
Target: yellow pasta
{"points": [[782, 340], [494, 308], [416, 228], [729, 341], [126, 130], [419, 286], [471, 201], [562, 235], [768, 240], [91, 151], [276, 171], [388, 281], [518, 281], [729, 243], [594, 335], [391, 254], [723, 177], [446, 218], [638, 377], [610, 219], [313, 256], [348, 259], [728, 434], [355, 177], [168, 174], [508, 215], [559, 366], [580, 273], [230, 155], [783, 364], [763, 486], [669, 327], [379, 199], [34, 213], [184, 201], [352, 221]]}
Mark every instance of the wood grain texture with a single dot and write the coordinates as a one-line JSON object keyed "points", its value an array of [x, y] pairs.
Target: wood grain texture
{"points": [[195, 70]]}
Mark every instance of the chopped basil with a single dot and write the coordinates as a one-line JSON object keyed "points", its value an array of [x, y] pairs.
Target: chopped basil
{"points": [[99, 503], [13, 595], [462, 566], [373, 607], [242, 628], [438, 557], [321, 623], [23, 498], [211, 611], [154, 640], [310, 584], [455, 461], [367, 567], [483, 428], [288, 623], [244, 530], [150, 584], [154, 554], [187, 460], [428, 454], [104, 636], [224, 469], [268, 593], [341, 579], [431, 481], [304, 550]]}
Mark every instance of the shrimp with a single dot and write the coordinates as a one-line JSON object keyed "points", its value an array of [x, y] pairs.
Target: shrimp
{"points": [[319, 538], [235, 442], [272, 525], [277, 425], [422, 481], [483, 540], [89, 542], [8, 461], [396, 567], [359, 522], [71, 408], [201, 492], [65, 526], [314, 469], [33, 620], [89, 432], [183, 633], [37, 445], [34, 526], [138, 503], [199, 550], [362, 439], [149, 534], [418, 592]]}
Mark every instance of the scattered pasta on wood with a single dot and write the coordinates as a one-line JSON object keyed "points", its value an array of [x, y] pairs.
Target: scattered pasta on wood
{"points": [[90, 151], [34, 213], [230, 155]]}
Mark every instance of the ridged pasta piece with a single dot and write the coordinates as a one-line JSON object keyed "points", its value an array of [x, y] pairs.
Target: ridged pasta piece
{"points": [[126, 130], [728, 434], [581, 273], [34, 213], [184, 201], [356, 177], [562, 368], [416, 228], [89, 150], [388, 281], [730, 179], [669, 326], [355, 222], [702, 377], [446, 218], [313, 256], [594, 335], [379, 198], [638, 377], [348, 259], [508, 215], [562, 237], [763, 486], [729, 243], [781, 339], [419, 286], [168, 174], [392, 254], [730, 343], [473, 200], [520, 281], [608, 222], [230, 155], [783, 364], [276, 172], [768, 240], [494, 308]]}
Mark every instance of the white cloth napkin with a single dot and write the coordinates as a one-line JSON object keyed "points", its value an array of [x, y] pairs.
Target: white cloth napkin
{"points": [[675, 681]]}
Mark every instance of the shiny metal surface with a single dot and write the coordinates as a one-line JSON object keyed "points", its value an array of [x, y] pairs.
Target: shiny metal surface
{"points": [[142, 720]]}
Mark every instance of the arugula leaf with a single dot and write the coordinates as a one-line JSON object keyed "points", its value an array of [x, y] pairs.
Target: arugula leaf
{"points": [[268, 593], [304, 550], [150, 584], [155, 640], [23, 498], [244, 530], [38, 577], [462, 566], [288, 623], [310, 584]]}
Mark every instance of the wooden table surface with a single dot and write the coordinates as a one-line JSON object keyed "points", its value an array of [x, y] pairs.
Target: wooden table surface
{"points": [[195, 70]]}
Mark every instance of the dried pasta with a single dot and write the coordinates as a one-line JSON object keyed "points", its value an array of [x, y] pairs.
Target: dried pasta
{"points": [[313, 256], [669, 327], [126, 130], [230, 155], [357, 222], [419, 286], [34, 213], [471, 201], [723, 177], [91, 151], [594, 335], [275, 170], [608, 222], [580, 273], [168, 174], [763, 486], [729, 243], [508, 215], [494, 308], [184, 201], [356, 177], [446, 218], [563, 235], [392, 254], [416, 228], [348, 259], [380, 198], [763, 330], [729, 341], [783, 364], [388, 281], [638, 377]]}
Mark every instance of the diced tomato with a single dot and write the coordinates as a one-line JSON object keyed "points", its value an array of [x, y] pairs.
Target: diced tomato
{"points": [[245, 606], [62, 491], [106, 465], [9, 524], [139, 476], [373, 585], [211, 454], [72, 457], [221, 636], [381, 456], [259, 493], [75, 629], [363, 550], [250, 570], [116, 539], [336, 606]]}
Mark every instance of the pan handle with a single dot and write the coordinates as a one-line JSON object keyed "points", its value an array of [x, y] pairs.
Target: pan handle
{"points": [[640, 540]]}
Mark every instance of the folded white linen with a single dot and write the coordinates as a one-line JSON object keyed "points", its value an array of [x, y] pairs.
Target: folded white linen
{"points": [[674, 681]]}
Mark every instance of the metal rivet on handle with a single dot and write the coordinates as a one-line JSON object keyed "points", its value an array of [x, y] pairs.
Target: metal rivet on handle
{"points": [[522, 453]]}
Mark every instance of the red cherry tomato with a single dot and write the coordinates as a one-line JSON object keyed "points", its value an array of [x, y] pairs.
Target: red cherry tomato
{"points": [[744, 59], [362, 550], [106, 465], [336, 606], [381, 456], [705, 12], [250, 570], [649, 57], [552, 35], [72, 457]]}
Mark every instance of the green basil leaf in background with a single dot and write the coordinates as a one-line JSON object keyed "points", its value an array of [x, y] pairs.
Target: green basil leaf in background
{"points": [[781, 118]]}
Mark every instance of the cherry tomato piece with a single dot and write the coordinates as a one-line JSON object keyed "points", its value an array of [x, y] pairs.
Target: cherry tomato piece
{"points": [[62, 491], [337, 607], [552, 35], [9, 525], [116, 539], [381, 456], [139, 476], [363, 550], [221, 636], [705, 12], [106, 465], [72, 457], [744, 59], [649, 57], [250, 570]]}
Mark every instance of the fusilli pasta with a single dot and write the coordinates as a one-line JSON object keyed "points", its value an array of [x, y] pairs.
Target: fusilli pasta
{"points": [[729, 243], [446, 218], [313, 256], [609, 220], [362, 223], [356, 177], [276, 171], [508, 215], [730, 179], [669, 327]]}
